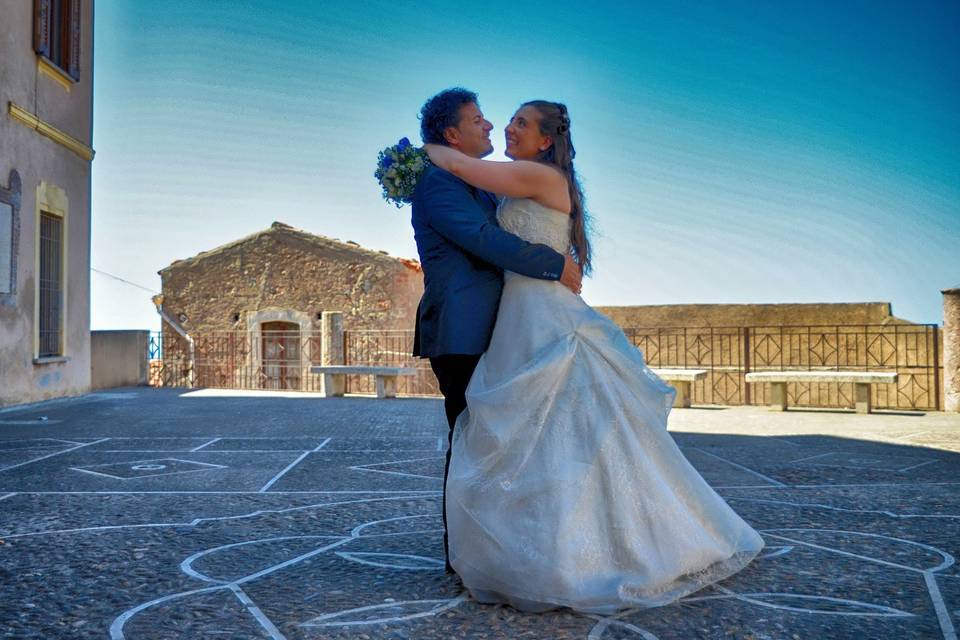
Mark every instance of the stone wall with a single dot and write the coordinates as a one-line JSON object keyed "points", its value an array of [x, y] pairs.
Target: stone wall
{"points": [[289, 270], [752, 315], [118, 358], [951, 348]]}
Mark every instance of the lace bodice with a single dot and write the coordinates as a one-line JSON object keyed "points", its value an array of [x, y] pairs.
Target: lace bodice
{"points": [[534, 222]]}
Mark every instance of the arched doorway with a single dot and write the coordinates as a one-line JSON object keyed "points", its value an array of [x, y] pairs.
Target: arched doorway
{"points": [[280, 357]]}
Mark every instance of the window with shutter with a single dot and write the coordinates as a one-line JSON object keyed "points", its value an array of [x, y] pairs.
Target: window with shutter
{"points": [[56, 33], [9, 236]]}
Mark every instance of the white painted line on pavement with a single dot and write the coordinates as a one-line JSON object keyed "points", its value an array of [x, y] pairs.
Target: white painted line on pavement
{"points": [[116, 628], [742, 468], [819, 455], [196, 521], [946, 625], [244, 450], [204, 451], [257, 613], [208, 467], [232, 437], [922, 464], [751, 486], [948, 560], [222, 493], [322, 444], [817, 505], [205, 444], [439, 607], [95, 473], [368, 467], [866, 485], [50, 455], [280, 475], [783, 440], [8, 495], [397, 473]]}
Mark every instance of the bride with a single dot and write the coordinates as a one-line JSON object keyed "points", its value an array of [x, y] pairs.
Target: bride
{"points": [[565, 488]]}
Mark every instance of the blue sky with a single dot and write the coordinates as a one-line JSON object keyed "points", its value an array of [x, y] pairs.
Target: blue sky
{"points": [[731, 152]]}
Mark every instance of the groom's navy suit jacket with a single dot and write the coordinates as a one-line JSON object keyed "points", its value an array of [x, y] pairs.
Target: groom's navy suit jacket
{"points": [[463, 252]]}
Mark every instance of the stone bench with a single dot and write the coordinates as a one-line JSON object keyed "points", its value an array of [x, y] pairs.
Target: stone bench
{"points": [[681, 379], [861, 383], [385, 378]]}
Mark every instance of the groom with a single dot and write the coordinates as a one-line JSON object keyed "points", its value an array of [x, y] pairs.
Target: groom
{"points": [[463, 253]]}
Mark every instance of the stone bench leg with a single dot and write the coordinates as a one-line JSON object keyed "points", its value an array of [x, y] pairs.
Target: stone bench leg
{"points": [[386, 386], [778, 396], [861, 392], [334, 384], [682, 398]]}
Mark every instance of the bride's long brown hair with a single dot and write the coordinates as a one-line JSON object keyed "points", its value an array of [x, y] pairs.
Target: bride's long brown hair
{"points": [[555, 122]]}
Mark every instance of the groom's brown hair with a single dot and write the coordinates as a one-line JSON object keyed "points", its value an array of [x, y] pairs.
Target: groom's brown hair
{"points": [[442, 111]]}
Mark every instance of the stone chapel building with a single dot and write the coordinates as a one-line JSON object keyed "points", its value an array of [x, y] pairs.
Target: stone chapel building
{"points": [[257, 303], [289, 276]]}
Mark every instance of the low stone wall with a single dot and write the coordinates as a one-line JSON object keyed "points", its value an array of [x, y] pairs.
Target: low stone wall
{"points": [[752, 315], [118, 358]]}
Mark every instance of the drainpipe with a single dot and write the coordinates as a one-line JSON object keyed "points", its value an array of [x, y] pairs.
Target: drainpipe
{"points": [[158, 303]]}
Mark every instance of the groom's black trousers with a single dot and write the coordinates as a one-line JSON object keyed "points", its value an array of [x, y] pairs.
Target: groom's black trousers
{"points": [[453, 373]]}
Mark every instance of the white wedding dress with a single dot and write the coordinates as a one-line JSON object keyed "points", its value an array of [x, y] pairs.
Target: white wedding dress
{"points": [[565, 488]]}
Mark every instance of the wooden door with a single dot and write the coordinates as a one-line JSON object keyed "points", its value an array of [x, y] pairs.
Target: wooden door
{"points": [[280, 362]]}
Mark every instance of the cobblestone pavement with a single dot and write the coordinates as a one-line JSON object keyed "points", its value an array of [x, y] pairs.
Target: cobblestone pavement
{"points": [[143, 514]]}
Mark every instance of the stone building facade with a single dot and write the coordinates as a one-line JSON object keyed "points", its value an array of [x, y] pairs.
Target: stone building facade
{"points": [[285, 274], [46, 129], [258, 302]]}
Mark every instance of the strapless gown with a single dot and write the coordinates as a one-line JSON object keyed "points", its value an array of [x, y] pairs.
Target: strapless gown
{"points": [[565, 488]]}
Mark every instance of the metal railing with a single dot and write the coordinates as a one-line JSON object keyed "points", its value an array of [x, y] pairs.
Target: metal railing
{"points": [[389, 348], [281, 360], [729, 353], [278, 360]]}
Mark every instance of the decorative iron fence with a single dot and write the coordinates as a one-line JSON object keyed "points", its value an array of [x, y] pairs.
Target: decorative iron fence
{"points": [[278, 360], [281, 360], [729, 353], [155, 346], [387, 348]]}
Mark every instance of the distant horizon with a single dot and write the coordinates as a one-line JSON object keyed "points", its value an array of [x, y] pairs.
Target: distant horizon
{"points": [[799, 154], [625, 306]]}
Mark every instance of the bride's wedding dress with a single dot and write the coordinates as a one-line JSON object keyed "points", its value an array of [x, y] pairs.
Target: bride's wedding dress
{"points": [[565, 488]]}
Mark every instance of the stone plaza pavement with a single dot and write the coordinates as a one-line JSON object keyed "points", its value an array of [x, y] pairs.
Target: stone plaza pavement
{"points": [[146, 513]]}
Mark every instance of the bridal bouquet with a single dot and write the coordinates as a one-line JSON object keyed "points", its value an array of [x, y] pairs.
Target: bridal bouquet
{"points": [[398, 169]]}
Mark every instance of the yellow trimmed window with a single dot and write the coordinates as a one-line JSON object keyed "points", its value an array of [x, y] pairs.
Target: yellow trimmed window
{"points": [[51, 285]]}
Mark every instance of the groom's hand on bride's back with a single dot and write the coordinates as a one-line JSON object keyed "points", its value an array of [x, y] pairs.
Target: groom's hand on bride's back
{"points": [[572, 276]]}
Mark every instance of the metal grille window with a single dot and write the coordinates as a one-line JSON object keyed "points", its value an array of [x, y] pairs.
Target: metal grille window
{"points": [[51, 285]]}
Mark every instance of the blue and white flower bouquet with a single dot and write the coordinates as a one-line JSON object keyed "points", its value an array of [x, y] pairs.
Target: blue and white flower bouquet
{"points": [[398, 169]]}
